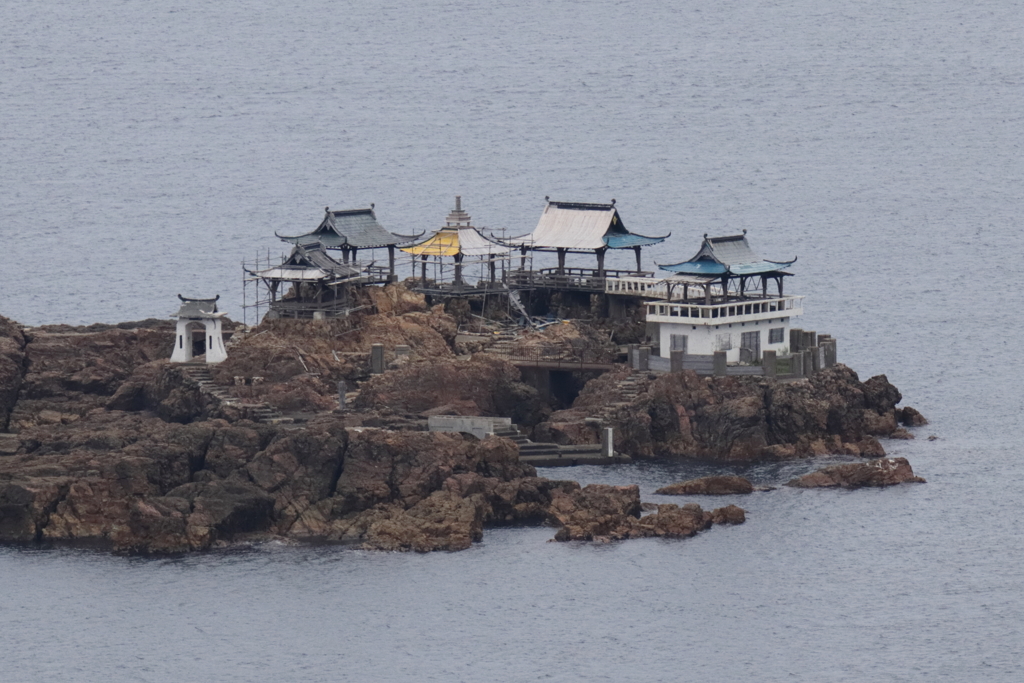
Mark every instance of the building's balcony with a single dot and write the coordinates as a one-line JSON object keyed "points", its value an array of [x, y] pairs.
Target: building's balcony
{"points": [[583, 279], [738, 311]]}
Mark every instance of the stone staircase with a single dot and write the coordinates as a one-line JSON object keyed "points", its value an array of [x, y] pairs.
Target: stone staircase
{"points": [[199, 374], [556, 455], [627, 389]]}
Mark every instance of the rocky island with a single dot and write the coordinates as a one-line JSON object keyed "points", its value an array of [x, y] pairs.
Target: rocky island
{"points": [[104, 442]]}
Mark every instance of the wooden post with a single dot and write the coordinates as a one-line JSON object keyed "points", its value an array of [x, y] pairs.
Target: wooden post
{"points": [[522, 258], [600, 262], [637, 250], [391, 263], [423, 275], [494, 269], [458, 269], [768, 363], [561, 261]]}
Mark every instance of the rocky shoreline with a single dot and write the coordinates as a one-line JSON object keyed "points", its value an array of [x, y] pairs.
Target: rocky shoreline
{"points": [[102, 441]]}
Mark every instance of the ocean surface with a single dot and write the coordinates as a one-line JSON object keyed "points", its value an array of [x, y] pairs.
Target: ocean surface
{"points": [[146, 149]]}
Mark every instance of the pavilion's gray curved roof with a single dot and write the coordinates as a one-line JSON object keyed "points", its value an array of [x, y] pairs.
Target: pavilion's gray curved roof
{"points": [[729, 255], [352, 228]]}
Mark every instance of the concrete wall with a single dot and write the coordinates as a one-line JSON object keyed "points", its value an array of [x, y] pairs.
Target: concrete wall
{"points": [[477, 426], [702, 340]]}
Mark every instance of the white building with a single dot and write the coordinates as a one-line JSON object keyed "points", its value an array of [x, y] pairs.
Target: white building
{"points": [[724, 304], [193, 315]]}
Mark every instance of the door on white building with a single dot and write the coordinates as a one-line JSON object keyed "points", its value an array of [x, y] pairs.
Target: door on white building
{"points": [[750, 346], [679, 342]]}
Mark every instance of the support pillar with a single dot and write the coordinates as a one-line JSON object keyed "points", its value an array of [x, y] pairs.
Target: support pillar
{"points": [[796, 338], [600, 262], [796, 364], [607, 442], [645, 358], [637, 250], [342, 390], [634, 356], [676, 360], [494, 269], [720, 364], [768, 363], [423, 271], [561, 261], [458, 270], [392, 277], [377, 359]]}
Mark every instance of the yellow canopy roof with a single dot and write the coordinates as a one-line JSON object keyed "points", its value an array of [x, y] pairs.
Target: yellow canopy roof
{"points": [[454, 241]]}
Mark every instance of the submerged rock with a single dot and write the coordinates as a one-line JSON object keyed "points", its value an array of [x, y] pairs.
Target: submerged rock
{"points": [[600, 512], [717, 485], [882, 472]]}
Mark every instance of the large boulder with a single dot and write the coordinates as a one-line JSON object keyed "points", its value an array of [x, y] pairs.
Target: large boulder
{"points": [[882, 472]]}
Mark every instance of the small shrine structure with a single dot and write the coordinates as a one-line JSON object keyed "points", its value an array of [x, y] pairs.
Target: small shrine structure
{"points": [[720, 301], [465, 245], [350, 231], [307, 284], [581, 228], [195, 314]]}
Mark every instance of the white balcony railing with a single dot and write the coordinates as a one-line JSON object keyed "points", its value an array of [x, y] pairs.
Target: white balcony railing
{"points": [[733, 311]]}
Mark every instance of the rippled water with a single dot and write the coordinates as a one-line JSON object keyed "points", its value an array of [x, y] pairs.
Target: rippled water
{"points": [[147, 149]]}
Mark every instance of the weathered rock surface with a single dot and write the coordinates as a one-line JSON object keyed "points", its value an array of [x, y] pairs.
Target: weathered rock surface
{"points": [[735, 419], [717, 485], [483, 385], [138, 483], [882, 472], [66, 374], [600, 512], [12, 367]]}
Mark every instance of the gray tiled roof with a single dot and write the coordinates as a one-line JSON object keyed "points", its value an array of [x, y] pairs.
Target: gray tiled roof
{"points": [[353, 228]]}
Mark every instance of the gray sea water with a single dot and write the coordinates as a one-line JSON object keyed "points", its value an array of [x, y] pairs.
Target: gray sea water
{"points": [[147, 148]]}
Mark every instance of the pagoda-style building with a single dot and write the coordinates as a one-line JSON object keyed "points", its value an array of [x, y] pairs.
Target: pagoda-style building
{"points": [[579, 228], [459, 241], [724, 303], [350, 231], [307, 284]]}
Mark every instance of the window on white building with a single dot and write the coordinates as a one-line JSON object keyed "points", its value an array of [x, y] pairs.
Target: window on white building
{"points": [[776, 335]]}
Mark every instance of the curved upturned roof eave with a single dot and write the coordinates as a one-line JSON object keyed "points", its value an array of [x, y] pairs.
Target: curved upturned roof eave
{"points": [[708, 268]]}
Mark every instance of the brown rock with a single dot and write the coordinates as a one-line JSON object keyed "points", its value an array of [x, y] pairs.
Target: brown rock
{"points": [[596, 511], [491, 384], [719, 485], [909, 417], [882, 472], [730, 514]]}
